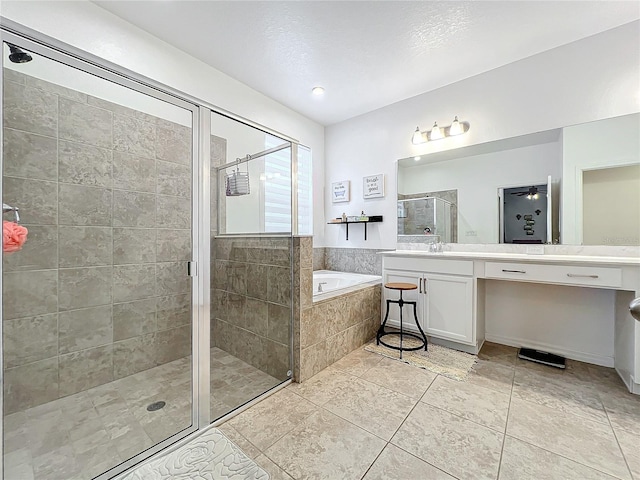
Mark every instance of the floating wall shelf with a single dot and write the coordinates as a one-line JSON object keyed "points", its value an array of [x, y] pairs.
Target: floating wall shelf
{"points": [[372, 219]]}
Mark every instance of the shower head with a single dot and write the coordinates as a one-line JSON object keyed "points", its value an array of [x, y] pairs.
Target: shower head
{"points": [[17, 55]]}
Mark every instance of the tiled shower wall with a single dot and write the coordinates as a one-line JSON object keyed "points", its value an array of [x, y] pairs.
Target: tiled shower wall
{"points": [[100, 289], [251, 301]]}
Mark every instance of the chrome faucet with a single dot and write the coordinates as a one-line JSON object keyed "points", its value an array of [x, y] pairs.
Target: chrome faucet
{"points": [[320, 286]]}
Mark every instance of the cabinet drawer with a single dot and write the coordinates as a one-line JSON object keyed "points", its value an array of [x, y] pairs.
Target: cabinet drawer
{"points": [[564, 274], [433, 265]]}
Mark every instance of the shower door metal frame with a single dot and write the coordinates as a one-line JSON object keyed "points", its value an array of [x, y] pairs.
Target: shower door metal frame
{"points": [[13, 33]]}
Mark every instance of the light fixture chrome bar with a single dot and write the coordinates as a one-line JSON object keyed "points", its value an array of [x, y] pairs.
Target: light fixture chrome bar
{"points": [[248, 158]]}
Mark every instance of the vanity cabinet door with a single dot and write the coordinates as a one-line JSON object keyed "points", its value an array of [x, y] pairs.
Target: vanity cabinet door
{"points": [[408, 322], [448, 307]]}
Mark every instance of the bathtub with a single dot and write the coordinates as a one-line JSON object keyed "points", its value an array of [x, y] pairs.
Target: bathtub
{"points": [[336, 283]]}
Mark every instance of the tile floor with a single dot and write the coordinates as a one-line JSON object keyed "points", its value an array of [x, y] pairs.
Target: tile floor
{"points": [[83, 435], [372, 418]]}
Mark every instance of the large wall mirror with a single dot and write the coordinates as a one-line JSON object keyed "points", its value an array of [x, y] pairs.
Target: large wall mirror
{"points": [[578, 185]]}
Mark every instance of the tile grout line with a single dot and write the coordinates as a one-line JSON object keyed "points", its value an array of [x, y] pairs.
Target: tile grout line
{"points": [[506, 424], [624, 457], [394, 434]]}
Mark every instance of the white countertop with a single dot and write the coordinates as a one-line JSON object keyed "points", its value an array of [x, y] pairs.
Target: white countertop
{"points": [[520, 257]]}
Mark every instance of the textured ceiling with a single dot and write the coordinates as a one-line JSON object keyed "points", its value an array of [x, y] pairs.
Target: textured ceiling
{"points": [[366, 54]]}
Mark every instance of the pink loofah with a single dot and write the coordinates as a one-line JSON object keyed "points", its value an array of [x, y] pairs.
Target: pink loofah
{"points": [[13, 236]]}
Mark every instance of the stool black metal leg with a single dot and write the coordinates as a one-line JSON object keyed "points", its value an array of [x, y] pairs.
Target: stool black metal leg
{"points": [[381, 329], [415, 314], [401, 303]]}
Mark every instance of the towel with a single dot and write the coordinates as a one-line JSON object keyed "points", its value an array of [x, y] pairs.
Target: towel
{"points": [[13, 236]]}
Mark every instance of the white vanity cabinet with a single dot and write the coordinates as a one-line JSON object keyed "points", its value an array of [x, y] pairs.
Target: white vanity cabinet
{"points": [[448, 307], [445, 298]]}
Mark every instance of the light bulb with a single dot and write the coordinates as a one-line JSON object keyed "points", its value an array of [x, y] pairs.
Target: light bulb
{"points": [[417, 137], [416, 158], [455, 128], [529, 196], [436, 132], [535, 197], [317, 90]]}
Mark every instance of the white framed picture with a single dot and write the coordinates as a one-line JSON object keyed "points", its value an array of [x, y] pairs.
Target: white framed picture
{"points": [[341, 191], [373, 186]]}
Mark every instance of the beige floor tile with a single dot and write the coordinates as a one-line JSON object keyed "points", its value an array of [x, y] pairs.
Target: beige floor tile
{"points": [[585, 441], [357, 362], [560, 393], [322, 387], [623, 409], [372, 407], [264, 423], [492, 375], [478, 404], [326, 447], [451, 443], [500, 354], [400, 377], [522, 461], [245, 445], [274, 471], [394, 462], [630, 445]]}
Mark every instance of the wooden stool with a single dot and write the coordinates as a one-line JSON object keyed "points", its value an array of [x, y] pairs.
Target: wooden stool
{"points": [[381, 332]]}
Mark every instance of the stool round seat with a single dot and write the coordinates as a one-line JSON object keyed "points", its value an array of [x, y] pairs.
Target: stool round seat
{"points": [[400, 286]]}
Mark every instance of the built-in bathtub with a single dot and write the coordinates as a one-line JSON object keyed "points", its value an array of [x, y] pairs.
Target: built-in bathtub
{"points": [[328, 284]]}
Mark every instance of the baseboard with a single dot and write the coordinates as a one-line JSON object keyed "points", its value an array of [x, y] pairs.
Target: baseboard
{"points": [[630, 382], [558, 350]]}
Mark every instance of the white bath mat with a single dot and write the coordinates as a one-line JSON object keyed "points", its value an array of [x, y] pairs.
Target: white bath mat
{"points": [[437, 359], [210, 456]]}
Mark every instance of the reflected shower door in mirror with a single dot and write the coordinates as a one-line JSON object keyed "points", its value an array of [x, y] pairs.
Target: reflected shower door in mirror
{"points": [[429, 219], [252, 262], [569, 155], [96, 303]]}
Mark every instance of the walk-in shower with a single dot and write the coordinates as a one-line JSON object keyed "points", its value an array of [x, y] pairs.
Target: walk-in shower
{"points": [[141, 299]]}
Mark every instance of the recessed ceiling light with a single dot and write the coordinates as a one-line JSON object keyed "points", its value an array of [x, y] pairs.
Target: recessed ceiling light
{"points": [[317, 90], [416, 158]]}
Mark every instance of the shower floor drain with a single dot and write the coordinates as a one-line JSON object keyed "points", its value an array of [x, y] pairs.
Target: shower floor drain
{"points": [[156, 406]]}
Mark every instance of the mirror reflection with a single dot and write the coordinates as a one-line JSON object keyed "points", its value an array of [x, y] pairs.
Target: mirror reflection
{"points": [[586, 178]]}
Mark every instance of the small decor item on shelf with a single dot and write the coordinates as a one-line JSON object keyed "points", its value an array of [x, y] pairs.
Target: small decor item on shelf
{"points": [[344, 217], [363, 217]]}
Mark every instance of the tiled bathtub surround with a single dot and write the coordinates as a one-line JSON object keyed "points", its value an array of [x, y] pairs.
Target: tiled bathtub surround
{"points": [[100, 290], [319, 258], [354, 260], [328, 330], [251, 301]]}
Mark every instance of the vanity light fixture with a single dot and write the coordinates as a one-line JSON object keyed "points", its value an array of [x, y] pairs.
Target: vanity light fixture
{"points": [[418, 137], [436, 133], [455, 128]]}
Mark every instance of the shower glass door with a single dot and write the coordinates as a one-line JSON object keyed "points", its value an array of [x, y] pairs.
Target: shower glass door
{"points": [[252, 258], [97, 191]]}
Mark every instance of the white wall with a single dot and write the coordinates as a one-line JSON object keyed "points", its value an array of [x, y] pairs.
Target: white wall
{"points": [[594, 78], [611, 206], [607, 143], [477, 179], [94, 30]]}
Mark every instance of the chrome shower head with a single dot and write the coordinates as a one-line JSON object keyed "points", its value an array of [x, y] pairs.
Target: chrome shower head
{"points": [[17, 55]]}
